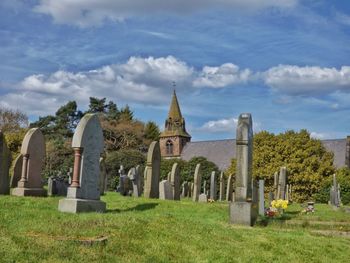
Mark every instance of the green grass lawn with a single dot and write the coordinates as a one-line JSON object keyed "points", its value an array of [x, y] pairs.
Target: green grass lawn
{"points": [[146, 230]]}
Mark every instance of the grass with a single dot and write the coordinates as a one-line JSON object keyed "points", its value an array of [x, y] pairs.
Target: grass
{"points": [[146, 230]]}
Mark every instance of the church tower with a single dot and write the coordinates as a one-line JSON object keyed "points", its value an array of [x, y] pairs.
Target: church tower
{"points": [[174, 137]]}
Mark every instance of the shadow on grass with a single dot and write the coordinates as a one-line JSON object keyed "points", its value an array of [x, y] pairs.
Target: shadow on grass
{"points": [[140, 207]]}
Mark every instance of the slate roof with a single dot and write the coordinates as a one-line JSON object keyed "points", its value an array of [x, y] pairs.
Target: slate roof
{"points": [[221, 152]]}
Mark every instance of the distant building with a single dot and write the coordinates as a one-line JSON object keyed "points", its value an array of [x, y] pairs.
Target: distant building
{"points": [[175, 142], [174, 137]]}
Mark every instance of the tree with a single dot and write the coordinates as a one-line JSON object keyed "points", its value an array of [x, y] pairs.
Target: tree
{"points": [[167, 164], [12, 120], [152, 131], [97, 105], [67, 118], [126, 114], [112, 111], [206, 168], [308, 162]]}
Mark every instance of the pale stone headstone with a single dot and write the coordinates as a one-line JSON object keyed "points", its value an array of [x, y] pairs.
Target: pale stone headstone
{"points": [[243, 211], [103, 176], [169, 176], [271, 198], [203, 198], [165, 190], [125, 186], [84, 194], [204, 190], [175, 181], [197, 183], [222, 187], [213, 186], [33, 151], [17, 171], [152, 171], [261, 198], [185, 189], [229, 189], [135, 180], [334, 193], [5, 161]]}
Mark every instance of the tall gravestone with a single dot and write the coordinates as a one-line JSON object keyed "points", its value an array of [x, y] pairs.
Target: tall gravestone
{"points": [[184, 189], [152, 171], [84, 194], [222, 187], [140, 180], [103, 176], [135, 181], [261, 198], [334, 193], [17, 171], [275, 184], [282, 182], [243, 211], [5, 161], [197, 183], [33, 152], [165, 190], [190, 189], [229, 189], [175, 181], [213, 190]]}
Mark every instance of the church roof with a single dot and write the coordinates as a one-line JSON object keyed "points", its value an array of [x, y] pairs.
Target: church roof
{"points": [[222, 151]]}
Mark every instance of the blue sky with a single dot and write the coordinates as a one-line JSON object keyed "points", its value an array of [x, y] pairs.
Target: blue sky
{"points": [[284, 61]]}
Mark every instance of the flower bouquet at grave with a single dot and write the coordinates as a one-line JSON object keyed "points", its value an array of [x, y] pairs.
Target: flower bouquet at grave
{"points": [[278, 206]]}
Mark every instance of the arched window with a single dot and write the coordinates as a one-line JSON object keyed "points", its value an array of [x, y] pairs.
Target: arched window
{"points": [[169, 147]]}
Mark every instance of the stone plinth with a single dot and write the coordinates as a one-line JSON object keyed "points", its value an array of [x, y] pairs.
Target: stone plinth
{"points": [[73, 205], [243, 213]]}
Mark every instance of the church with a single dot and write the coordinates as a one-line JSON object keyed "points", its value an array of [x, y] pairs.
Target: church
{"points": [[175, 142]]}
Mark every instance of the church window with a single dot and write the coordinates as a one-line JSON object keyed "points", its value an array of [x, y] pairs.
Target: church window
{"points": [[169, 147]]}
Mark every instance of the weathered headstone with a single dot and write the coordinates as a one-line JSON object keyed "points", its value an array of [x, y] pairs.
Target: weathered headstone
{"points": [[17, 171], [213, 186], [222, 187], [5, 161], [190, 189], [203, 198], [334, 193], [229, 189], [152, 171], [169, 176], [275, 184], [197, 183], [261, 198], [243, 211], [271, 198], [204, 189], [282, 182], [135, 181], [57, 185], [33, 151], [84, 194], [255, 192], [184, 189], [175, 181], [103, 176], [140, 181], [165, 190]]}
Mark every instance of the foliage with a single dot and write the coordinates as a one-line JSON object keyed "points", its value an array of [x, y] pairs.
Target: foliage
{"points": [[206, 168], [12, 120], [152, 131], [307, 161], [343, 178], [14, 141]]}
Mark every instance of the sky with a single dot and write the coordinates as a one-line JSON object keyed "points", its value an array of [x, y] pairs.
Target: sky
{"points": [[287, 62]]}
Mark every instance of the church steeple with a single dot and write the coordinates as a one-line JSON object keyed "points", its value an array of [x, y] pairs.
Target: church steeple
{"points": [[174, 137]]}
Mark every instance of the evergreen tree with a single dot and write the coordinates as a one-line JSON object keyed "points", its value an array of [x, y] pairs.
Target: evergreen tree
{"points": [[152, 131], [112, 111], [126, 114], [97, 105]]}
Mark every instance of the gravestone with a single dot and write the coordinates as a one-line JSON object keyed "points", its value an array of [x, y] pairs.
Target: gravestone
{"points": [[275, 184], [33, 151], [175, 181], [70, 175], [229, 189], [169, 176], [261, 198], [84, 194], [271, 198], [203, 198], [204, 190], [135, 181], [5, 162], [57, 186], [190, 189], [282, 182], [165, 190], [213, 186], [197, 183], [184, 189], [222, 187], [334, 193], [243, 211], [255, 192], [140, 181], [152, 171], [17, 171], [103, 176]]}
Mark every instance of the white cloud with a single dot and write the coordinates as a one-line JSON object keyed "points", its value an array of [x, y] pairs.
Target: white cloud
{"points": [[94, 12], [222, 125], [224, 75], [317, 135], [295, 80]]}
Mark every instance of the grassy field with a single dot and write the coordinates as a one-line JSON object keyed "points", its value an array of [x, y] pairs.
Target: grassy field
{"points": [[144, 230]]}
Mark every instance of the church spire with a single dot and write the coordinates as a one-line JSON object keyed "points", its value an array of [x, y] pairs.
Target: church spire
{"points": [[174, 111]]}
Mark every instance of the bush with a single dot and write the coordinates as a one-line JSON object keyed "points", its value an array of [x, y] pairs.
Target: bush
{"points": [[206, 167], [166, 166]]}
